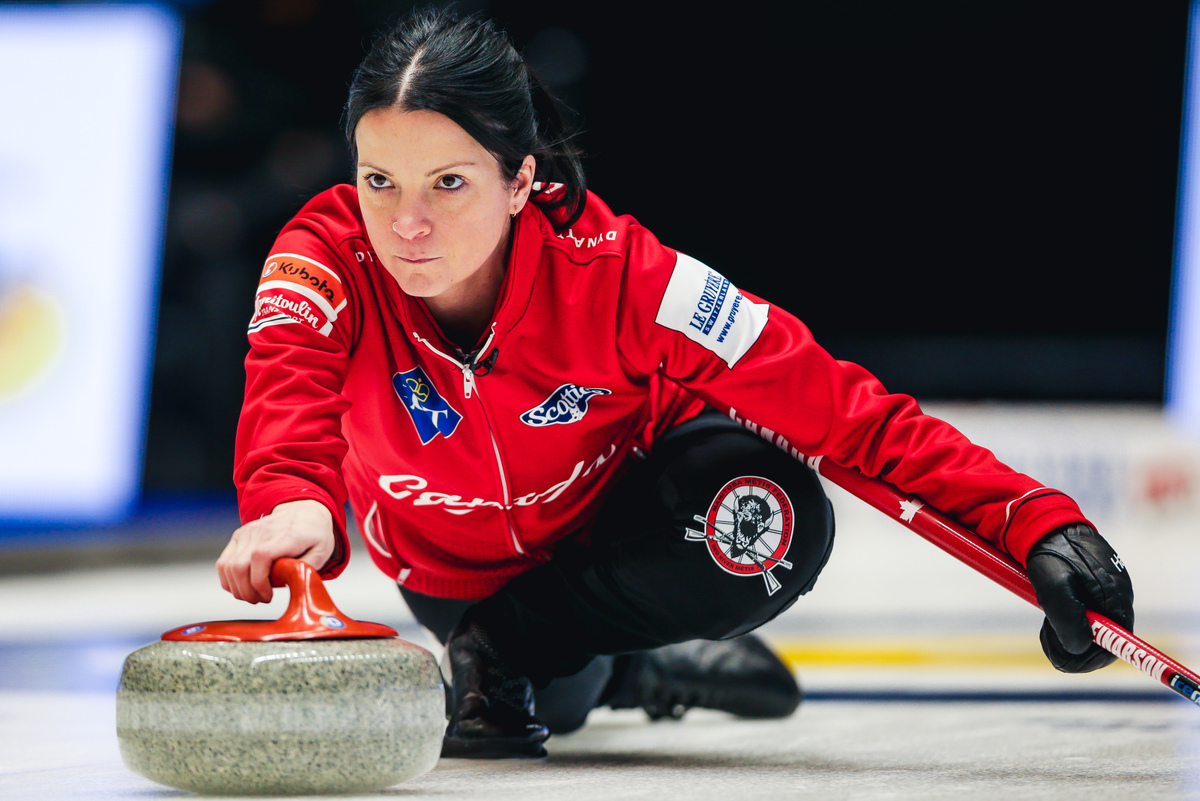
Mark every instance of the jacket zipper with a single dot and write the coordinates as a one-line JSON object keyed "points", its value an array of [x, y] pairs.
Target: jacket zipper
{"points": [[470, 387], [467, 370]]}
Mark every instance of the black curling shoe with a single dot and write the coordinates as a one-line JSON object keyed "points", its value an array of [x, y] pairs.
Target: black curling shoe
{"points": [[741, 676], [492, 713]]}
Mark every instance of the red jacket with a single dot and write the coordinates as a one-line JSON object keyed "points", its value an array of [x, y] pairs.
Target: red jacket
{"points": [[462, 477]]}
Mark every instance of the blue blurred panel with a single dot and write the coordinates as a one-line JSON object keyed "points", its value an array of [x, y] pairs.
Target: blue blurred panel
{"points": [[85, 665], [192, 523], [87, 98], [1183, 359]]}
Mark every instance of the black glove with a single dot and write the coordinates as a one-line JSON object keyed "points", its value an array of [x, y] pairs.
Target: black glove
{"points": [[1073, 569]]}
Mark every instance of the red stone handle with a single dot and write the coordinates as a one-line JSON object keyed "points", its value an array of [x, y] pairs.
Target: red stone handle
{"points": [[311, 615]]}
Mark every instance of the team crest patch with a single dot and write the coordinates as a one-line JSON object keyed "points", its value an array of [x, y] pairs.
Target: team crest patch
{"points": [[748, 529], [430, 412], [567, 404]]}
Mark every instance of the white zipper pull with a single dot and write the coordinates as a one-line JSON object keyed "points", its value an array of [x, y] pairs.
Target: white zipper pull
{"points": [[467, 368], [468, 380]]}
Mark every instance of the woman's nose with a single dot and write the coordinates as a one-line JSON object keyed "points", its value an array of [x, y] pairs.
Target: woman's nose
{"points": [[411, 221]]}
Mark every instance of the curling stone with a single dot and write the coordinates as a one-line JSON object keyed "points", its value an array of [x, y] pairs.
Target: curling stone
{"points": [[311, 703]]}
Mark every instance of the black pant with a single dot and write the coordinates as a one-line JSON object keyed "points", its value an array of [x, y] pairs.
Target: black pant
{"points": [[716, 533]]}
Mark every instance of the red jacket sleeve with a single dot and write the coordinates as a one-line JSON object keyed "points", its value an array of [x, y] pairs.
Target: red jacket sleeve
{"points": [[289, 438], [738, 352]]}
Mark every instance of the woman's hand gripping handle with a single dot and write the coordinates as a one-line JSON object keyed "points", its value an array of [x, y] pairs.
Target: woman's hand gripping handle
{"points": [[301, 529]]}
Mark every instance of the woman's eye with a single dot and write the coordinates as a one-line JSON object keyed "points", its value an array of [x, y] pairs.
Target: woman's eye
{"points": [[450, 182], [377, 181]]}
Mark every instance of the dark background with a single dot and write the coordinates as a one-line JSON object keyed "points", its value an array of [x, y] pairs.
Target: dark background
{"points": [[972, 199]]}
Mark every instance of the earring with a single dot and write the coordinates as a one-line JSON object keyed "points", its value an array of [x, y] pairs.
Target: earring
{"points": [[394, 228]]}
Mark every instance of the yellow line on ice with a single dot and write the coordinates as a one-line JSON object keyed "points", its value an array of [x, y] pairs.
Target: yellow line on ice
{"points": [[1000, 651]]}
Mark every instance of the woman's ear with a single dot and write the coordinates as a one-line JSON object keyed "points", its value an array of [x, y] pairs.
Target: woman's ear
{"points": [[523, 185]]}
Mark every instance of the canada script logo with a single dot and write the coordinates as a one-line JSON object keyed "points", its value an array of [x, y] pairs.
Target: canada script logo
{"points": [[430, 412], [748, 529], [567, 404]]}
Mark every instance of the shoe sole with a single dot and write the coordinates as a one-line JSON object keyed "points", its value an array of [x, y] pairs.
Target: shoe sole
{"points": [[492, 748]]}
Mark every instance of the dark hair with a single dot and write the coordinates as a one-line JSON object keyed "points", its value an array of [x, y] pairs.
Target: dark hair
{"points": [[469, 71]]}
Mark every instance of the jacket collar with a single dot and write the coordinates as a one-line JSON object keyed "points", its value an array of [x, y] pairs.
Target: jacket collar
{"points": [[515, 293]]}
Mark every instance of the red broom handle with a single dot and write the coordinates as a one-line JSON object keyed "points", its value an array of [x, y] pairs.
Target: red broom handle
{"points": [[968, 547]]}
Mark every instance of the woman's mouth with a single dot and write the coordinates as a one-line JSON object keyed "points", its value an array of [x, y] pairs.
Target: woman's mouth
{"points": [[416, 261]]}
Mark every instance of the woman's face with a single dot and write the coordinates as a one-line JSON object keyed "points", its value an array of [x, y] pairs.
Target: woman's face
{"points": [[435, 204]]}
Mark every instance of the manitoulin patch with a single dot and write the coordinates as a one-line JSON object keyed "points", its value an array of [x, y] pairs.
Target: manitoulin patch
{"points": [[748, 529], [296, 289]]}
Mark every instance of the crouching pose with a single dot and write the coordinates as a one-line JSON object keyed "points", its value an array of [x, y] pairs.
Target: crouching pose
{"points": [[574, 448]]}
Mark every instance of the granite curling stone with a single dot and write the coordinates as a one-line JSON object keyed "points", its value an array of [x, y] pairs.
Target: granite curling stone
{"points": [[312, 703]]}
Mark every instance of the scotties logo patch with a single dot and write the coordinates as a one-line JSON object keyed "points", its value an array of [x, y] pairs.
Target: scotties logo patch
{"points": [[430, 412], [748, 529], [567, 404]]}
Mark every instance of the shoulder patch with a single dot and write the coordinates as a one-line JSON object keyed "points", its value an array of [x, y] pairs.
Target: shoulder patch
{"points": [[701, 304], [297, 289]]}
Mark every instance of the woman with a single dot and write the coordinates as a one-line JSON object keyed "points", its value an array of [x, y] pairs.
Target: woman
{"points": [[574, 448]]}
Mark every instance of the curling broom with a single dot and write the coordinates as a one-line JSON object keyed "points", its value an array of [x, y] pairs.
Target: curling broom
{"points": [[968, 547]]}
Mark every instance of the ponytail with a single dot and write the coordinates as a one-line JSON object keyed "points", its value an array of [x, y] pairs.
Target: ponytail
{"points": [[559, 161]]}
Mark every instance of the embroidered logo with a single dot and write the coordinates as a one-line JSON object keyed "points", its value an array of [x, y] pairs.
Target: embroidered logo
{"points": [[430, 412], [748, 529], [567, 404], [589, 241]]}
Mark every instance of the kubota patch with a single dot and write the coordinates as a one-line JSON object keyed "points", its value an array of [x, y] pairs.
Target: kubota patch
{"points": [[296, 289]]}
